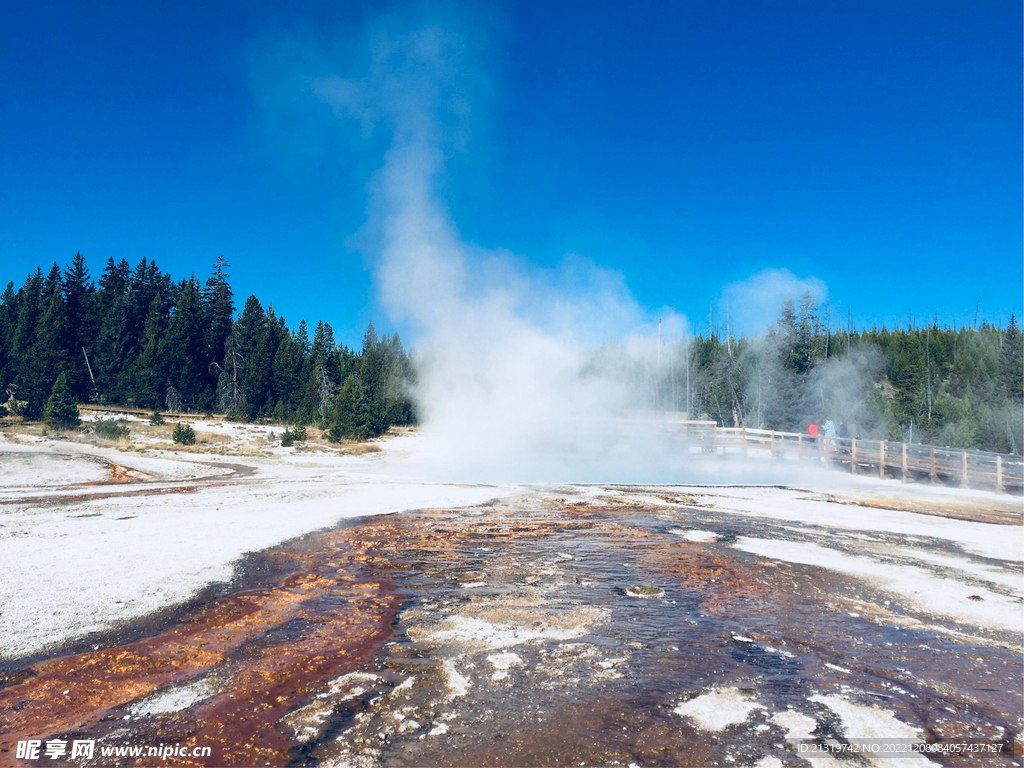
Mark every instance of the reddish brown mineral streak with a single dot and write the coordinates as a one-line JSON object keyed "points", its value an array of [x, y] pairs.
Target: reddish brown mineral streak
{"points": [[122, 476], [238, 723]]}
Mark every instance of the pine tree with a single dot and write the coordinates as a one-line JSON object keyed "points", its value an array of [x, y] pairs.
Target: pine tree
{"points": [[1011, 363], [139, 299], [807, 331], [323, 349], [48, 357], [287, 370], [219, 309], [302, 337], [258, 375], [61, 410], [319, 364], [148, 375], [113, 285], [29, 300], [277, 329], [112, 352], [787, 318], [8, 318], [249, 351], [370, 339], [79, 293], [182, 350], [344, 424]]}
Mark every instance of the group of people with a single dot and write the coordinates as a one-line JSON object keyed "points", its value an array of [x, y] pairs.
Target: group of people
{"points": [[828, 432]]}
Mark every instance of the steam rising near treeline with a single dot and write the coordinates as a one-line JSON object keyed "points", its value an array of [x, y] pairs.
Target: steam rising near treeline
{"points": [[507, 382], [531, 374]]}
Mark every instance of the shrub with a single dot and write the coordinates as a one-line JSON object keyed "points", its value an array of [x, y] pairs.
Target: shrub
{"points": [[112, 429], [293, 435], [156, 418], [184, 434], [279, 412]]}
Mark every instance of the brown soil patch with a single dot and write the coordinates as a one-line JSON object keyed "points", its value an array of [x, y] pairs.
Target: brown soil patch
{"points": [[1008, 512]]}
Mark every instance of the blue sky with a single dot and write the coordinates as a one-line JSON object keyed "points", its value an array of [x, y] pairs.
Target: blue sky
{"points": [[872, 147]]}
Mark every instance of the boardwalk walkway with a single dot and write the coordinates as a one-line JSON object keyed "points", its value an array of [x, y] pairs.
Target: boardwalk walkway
{"points": [[909, 462]]}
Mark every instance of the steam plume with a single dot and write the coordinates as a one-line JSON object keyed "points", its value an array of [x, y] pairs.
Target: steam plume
{"points": [[524, 374]]}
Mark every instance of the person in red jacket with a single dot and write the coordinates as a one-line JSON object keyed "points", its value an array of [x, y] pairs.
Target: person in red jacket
{"points": [[812, 430]]}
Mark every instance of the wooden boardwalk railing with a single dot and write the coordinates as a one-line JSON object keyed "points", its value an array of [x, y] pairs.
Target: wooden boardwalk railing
{"points": [[883, 458], [115, 410]]}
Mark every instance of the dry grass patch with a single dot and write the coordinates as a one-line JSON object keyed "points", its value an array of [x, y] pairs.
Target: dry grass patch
{"points": [[345, 448], [255, 440], [16, 427], [216, 450], [358, 449], [1003, 511]]}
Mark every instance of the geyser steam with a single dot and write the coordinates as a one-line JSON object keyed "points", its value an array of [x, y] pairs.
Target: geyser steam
{"points": [[509, 385], [523, 374]]}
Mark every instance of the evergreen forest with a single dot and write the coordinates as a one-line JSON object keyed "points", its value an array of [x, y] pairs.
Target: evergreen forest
{"points": [[135, 337], [956, 387]]}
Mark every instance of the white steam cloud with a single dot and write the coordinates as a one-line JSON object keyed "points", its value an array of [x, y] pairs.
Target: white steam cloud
{"points": [[753, 303], [524, 374], [508, 384]]}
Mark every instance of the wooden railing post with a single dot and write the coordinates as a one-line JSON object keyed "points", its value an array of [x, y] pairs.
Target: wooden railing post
{"points": [[846, 449]]}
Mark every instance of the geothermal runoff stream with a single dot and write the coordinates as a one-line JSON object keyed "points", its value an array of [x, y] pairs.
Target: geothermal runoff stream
{"points": [[294, 608]]}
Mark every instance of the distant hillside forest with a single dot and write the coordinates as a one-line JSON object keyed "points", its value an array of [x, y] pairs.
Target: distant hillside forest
{"points": [[140, 339], [944, 386]]}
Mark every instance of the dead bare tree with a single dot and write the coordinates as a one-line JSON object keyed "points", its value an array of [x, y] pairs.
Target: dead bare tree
{"points": [[325, 388], [231, 395], [173, 400], [89, 367], [828, 326], [13, 404]]}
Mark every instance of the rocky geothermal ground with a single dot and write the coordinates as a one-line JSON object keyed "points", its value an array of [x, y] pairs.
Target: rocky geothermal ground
{"points": [[292, 607]]}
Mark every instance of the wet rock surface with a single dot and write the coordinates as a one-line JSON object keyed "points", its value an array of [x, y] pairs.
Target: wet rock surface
{"points": [[564, 627]]}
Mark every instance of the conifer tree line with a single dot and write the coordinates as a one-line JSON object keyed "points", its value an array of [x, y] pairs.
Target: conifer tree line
{"points": [[958, 387], [137, 338]]}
